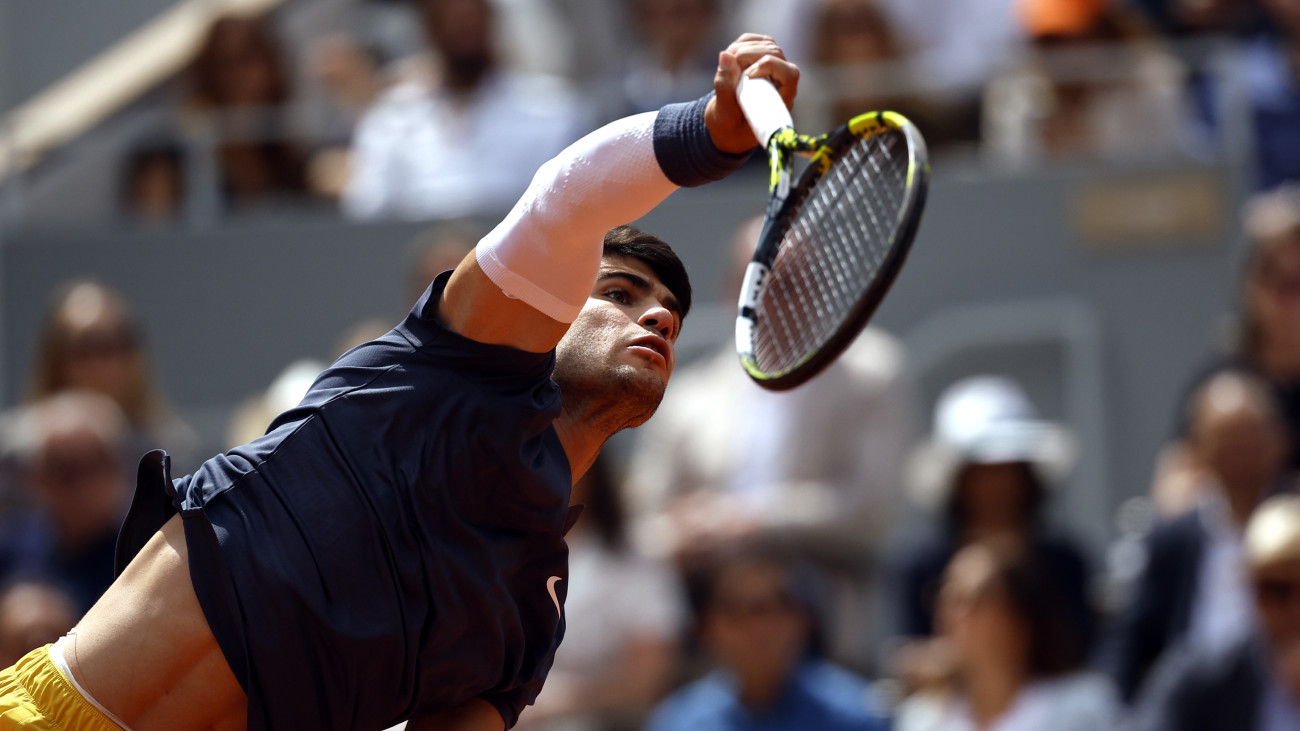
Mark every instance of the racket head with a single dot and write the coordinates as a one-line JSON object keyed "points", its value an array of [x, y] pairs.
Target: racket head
{"points": [[828, 255]]}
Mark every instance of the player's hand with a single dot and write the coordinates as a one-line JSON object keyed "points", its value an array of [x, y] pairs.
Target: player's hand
{"points": [[750, 55]]}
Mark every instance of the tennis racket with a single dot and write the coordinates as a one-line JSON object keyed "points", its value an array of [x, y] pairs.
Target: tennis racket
{"points": [[832, 243]]}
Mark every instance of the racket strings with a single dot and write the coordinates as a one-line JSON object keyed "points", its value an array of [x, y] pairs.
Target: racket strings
{"points": [[837, 238]]}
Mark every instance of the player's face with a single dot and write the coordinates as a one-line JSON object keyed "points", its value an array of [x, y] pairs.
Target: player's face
{"points": [[624, 335]]}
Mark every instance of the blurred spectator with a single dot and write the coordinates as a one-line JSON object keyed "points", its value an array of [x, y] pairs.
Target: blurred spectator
{"points": [[756, 623], [1272, 79], [1016, 666], [960, 44], [154, 186], [625, 616], [675, 54], [91, 341], [32, 614], [74, 443], [438, 249], [818, 466], [239, 84], [1267, 340], [1096, 85], [986, 473], [254, 415], [1192, 586], [1201, 17], [861, 67], [467, 143], [1255, 682]]}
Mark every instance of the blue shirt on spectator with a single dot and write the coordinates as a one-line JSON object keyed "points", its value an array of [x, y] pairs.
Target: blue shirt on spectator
{"points": [[819, 696], [1275, 112]]}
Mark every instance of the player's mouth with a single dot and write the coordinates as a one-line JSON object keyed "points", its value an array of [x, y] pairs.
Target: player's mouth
{"points": [[655, 348]]}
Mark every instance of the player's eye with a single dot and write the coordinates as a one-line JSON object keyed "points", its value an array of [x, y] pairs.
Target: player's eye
{"points": [[618, 295]]}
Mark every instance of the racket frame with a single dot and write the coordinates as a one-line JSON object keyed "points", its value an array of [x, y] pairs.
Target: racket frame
{"points": [[782, 144]]}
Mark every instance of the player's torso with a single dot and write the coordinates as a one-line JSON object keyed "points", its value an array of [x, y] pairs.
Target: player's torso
{"points": [[397, 543]]}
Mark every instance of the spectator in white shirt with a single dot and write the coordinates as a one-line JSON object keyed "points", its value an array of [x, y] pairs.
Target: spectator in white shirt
{"points": [[465, 143]]}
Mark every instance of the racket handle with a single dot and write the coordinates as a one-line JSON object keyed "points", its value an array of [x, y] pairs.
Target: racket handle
{"points": [[763, 107]]}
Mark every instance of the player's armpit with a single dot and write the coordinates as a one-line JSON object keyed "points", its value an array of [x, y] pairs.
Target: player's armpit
{"points": [[475, 714]]}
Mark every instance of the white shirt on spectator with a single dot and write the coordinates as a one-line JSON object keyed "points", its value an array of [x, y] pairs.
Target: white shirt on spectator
{"points": [[1223, 610], [421, 153], [1077, 702]]}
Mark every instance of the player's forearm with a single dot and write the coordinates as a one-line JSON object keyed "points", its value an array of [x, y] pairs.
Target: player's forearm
{"points": [[547, 250]]}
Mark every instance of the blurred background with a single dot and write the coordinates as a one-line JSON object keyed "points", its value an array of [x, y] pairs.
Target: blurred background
{"points": [[203, 202]]}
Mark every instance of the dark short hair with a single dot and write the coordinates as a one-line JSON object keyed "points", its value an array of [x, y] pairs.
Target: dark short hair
{"points": [[632, 242], [1036, 595]]}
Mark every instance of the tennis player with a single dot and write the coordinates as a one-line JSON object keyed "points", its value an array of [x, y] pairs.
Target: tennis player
{"points": [[393, 547]]}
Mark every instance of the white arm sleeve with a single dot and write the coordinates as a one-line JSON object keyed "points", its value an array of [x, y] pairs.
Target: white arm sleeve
{"points": [[547, 250]]}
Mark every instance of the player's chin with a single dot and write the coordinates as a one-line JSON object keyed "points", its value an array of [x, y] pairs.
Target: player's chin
{"points": [[642, 390]]}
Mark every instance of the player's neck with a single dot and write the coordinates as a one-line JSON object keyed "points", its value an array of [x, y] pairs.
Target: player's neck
{"points": [[581, 443], [584, 427]]}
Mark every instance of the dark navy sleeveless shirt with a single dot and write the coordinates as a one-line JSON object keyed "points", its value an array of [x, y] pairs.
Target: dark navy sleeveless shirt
{"points": [[394, 545]]}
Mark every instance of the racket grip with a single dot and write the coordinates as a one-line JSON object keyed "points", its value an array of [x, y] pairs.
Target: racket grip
{"points": [[763, 107]]}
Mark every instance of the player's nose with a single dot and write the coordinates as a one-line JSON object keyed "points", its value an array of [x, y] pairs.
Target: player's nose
{"points": [[660, 319]]}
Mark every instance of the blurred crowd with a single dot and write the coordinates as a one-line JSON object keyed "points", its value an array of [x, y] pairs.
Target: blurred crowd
{"points": [[421, 109], [743, 564]]}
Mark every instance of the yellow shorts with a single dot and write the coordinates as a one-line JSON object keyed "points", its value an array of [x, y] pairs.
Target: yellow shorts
{"points": [[34, 695]]}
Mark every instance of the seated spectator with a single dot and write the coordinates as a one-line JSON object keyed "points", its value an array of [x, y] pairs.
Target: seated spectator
{"points": [[1271, 79], [80, 488], [438, 249], [1192, 588], [673, 54], [1181, 18], [254, 415], [1015, 665], [1267, 341], [756, 623], [91, 341], [240, 85], [1096, 85], [861, 65], [465, 144], [987, 472], [1253, 683], [153, 184], [625, 615], [32, 614]]}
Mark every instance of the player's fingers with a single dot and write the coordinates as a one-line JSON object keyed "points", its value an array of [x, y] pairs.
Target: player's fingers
{"points": [[783, 74], [727, 77], [749, 51]]}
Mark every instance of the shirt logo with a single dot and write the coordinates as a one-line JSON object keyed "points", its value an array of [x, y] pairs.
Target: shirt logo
{"points": [[550, 587]]}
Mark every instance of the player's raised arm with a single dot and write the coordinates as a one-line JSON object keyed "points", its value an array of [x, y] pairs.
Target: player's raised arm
{"points": [[527, 279]]}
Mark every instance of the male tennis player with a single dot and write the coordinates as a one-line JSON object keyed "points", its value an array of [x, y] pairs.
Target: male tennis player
{"points": [[393, 547]]}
